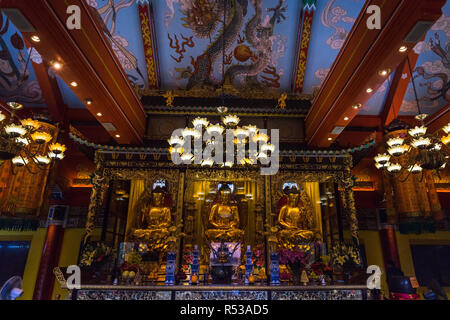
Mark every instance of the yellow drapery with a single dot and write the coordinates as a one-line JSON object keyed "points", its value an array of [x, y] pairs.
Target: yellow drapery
{"points": [[136, 190], [251, 188], [313, 191], [200, 190]]}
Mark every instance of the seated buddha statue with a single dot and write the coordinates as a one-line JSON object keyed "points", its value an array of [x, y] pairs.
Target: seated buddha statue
{"points": [[224, 219], [156, 219], [295, 220]]}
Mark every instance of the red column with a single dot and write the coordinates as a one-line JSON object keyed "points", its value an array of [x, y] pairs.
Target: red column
{"points": [[49, 260], [389, 245]]}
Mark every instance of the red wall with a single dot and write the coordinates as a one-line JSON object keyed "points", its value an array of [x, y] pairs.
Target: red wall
{"points": [[371, 199], [367, 199], [444, 198]]}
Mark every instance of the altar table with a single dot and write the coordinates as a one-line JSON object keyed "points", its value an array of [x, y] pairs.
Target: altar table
{"points": [[214, 292]]}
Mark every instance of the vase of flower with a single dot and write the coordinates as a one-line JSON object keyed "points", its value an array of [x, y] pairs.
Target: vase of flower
{"points": [[345, 260], [338, 274], [94, 258], [295, 261], [295, 272]]}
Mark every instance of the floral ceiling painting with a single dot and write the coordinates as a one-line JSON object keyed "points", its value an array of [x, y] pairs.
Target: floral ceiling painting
{"points": [[17, 79], [122, 28], [333, 21], [432, 71]]}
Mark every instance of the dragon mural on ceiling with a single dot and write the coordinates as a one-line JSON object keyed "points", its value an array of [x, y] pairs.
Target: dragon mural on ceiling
{"points": [[432, 70], [246, 42], [441, 89], [16, 83]]}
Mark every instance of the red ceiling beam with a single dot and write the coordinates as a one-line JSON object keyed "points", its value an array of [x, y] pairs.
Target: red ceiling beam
{"points": [[438, 120], [398, 89], [364, 53], [50, 92], [89, 60]]}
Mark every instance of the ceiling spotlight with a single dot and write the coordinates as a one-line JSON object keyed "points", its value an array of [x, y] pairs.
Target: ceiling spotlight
{"points": [[56, 65], [35, 38], [88, 101], [329, 139], [357, 106], [403, 49], [384, 72], [369, 90], [74, 84], [117, 135], [346, 119], [99, 114]]}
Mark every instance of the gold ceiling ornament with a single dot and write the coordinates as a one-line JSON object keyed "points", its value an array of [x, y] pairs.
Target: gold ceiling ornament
{"points": [[244, 93], [282, 101], [26, 142], [169, 96]]}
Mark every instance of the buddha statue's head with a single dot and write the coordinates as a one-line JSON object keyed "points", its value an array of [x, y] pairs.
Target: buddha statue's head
{"points": [[293, 196], [158, 196], [224, 194]]}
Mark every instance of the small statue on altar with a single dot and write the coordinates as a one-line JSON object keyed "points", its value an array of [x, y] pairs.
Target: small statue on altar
{"points": [[224, 219], [156, 221], [295, 220]]}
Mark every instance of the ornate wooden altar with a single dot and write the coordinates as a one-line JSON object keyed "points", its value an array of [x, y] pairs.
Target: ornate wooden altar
{"points": [[189, 188]]}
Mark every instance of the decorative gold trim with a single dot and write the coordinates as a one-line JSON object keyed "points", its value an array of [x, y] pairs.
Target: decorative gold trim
{"points": [[245, 93]]}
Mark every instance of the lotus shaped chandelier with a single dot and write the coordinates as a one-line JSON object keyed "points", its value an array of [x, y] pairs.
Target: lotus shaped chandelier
{"points": [[229, 127], [419, 150], [26, 143]]}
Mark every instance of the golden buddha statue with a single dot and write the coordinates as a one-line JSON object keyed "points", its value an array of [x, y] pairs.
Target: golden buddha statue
{"points": [[224, 218], [295, 220], [156, 220]]}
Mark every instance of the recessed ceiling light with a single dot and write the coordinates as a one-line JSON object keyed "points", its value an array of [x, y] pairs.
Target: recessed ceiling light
{"points": [[35, 38], [356, 106], [88, 101], [56, 65], [369, 90], [99, 114], [384, 72], [74, 84], [346, 118], [403, 49], [117, 135], [329, 139]]}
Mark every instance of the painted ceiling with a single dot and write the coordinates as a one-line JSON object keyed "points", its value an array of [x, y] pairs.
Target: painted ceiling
{"points": [[375, 105], [260, 39], [121, 19], [18, 80], [332, 22], [432, 71], [261, 49]]}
